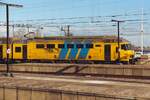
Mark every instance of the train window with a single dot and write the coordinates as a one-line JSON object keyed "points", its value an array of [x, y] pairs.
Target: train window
{"points": [[89, 45], [79, 45], [18, 49], [129, 46], [61, 46], [50, 45], [97, 45], [40, 46], [70, 46], [125, 47]]}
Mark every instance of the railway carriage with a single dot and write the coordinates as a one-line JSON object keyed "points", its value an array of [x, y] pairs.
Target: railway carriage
{"points": [[77, 49]]}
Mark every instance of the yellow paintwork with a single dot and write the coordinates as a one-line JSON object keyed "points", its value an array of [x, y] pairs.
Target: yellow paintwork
{"points": [[76, 58], [16, 55], [68, 53], [45, 54], [95, 53]]}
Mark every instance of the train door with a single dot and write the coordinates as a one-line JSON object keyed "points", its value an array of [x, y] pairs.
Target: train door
{"points": [[107, 53], [1, 52], [24, 52]]}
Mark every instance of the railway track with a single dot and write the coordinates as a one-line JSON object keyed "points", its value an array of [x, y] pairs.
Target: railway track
{"points": [[83, 82], [88, 78], [118, 71]]}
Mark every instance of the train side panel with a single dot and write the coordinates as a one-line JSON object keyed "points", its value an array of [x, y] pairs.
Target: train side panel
{"points": [[67, 50], [96, 53], [17, 51], [35, 52]]}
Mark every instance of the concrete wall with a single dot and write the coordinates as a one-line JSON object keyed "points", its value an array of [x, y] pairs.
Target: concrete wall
{"points": [[29, 94], [120, 70]]}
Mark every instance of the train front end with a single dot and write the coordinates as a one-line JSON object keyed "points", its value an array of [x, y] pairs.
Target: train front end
{"points": [[126, 53]]}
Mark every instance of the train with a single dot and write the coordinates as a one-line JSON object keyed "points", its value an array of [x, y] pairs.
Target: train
{"points": [[74, 49]]}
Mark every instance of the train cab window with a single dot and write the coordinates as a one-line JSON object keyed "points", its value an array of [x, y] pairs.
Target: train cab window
{"points": [[80, 46], [125, 46], [89, 45], [40, 46], [70, 46], [129, 46], [18, 49], [50, 45], [61, 46]]}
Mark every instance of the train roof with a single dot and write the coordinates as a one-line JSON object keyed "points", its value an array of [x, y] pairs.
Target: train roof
{"points": [[71, 38], [90, 38], [11, 40]]}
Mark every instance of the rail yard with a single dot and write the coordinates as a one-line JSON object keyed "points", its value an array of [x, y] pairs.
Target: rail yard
{"points": [[38, 81], [40, 70], [31, 87]]}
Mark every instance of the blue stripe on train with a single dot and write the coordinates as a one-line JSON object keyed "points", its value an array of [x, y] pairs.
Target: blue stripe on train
{"points": [[64, 51], [73, 52], [84, 51]]}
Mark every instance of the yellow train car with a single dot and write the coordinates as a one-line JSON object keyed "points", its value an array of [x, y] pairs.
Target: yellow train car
{"points": [[16, 51], [79, 49]]}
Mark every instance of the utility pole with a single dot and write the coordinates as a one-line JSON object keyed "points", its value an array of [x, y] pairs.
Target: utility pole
{"points": [[8, 73], [142, 31], [28, 29], [13, 26], [118, 29], [68, 30]]}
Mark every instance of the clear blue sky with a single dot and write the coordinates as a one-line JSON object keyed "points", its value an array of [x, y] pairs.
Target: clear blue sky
{"points": [[47, 9], [71, 8]]}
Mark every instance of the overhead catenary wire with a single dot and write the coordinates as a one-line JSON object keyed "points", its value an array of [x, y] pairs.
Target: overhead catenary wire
{"points": [[77, 21]]}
